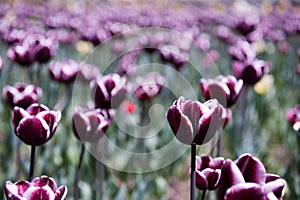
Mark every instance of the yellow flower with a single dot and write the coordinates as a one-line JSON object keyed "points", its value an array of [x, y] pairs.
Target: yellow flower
{"points": [[265, 83], [84, 47]]}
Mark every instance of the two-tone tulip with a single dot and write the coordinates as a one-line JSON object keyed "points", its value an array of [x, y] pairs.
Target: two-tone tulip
{"points": [[40, 188], [193, 122], [226, 89], [246, 178], [90, 125], [108, 91], [149, 86], [21, 95], [208, 172], [250, 71], [293, 117], [64, 71], [35, 125]]}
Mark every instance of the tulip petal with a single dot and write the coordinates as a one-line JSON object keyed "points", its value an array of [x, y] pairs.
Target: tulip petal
{"points": [[180, 125], [52, 118], [230, 175], [33, 131], [245, 191], [43, 181], [277, 187], [252, 169], [61, 193], [35, 108], [201, 182], [213, 177], [18, 114], [39, 193], [221, 92]]}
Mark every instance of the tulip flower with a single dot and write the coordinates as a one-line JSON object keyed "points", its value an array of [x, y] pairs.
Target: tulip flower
{"points": [[250, 72], [21, 54], [43, 188], [21, 95], [64, 71], [246, 178], [208, 172], [225, 89], [108, 91], [195, 122], [35, 125], [149, 86], [293, 117], [45, 49], [90, 125]]}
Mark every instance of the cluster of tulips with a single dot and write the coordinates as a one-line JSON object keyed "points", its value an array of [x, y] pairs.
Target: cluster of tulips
{"points": [[192, 122]]}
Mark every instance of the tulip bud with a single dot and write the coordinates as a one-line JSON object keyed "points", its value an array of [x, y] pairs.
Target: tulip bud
{"points": [[108, 91], [90, 125], [225, 89], [195, 122]]}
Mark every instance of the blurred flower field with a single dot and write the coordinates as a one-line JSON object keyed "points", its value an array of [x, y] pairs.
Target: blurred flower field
{"points": [[103, 100]]}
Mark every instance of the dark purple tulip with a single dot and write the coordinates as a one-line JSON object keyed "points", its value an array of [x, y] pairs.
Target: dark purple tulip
{"points": [[247, 25], [109, 91], [193, 122], [250, 72], [208, 172], [226, 89], [21, 95], [35, 125], [21, 54], [45, 49], [64, 71], [90, 125], [293, 117], [43, 188], [246, 178], [149, 86]]}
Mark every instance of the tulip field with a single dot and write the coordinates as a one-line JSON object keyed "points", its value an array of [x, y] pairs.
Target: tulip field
{"points": [[146, 100]]}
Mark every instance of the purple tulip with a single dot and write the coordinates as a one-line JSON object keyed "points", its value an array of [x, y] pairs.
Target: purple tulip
{"points": [[250, 72], [21, 95], [90, 125], [64, 71], [293, 117], [35, 125], [21, 54], [193, 122], [149, 86], [109, 91], [242, 51], [225, 89], [208, 172], [44, 49], [246, 178], [43, 188]]}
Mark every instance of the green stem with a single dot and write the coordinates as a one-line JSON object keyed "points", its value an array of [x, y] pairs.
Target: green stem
{"points": [[32, 161], [77, 176]]}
